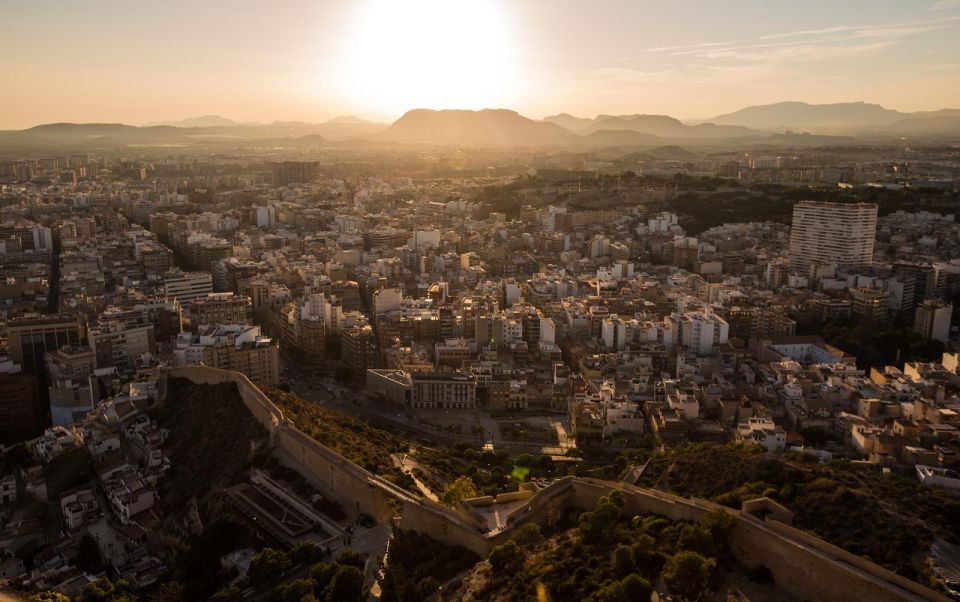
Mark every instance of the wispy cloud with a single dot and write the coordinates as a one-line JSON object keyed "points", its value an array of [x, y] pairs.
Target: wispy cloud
{"points": [[809, 32], [803, 45], [945, 5], [687, 47], [791, 58]]}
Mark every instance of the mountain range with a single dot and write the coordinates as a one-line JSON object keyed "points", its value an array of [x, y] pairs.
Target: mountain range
{"points": [[657, 125], [777, 124], [842, 118]]}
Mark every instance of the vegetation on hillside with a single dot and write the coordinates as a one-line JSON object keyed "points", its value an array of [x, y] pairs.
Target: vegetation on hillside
{"points": [[602, 556], [417, 566], [889, 520], [356, 439]]}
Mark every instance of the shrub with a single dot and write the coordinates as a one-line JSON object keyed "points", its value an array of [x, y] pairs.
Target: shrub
{"points": [[506, 557], [686, 574]]}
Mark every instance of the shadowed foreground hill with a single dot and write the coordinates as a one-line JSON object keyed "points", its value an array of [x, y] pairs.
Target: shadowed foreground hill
{"points": [[890, 520], [211, 441]]}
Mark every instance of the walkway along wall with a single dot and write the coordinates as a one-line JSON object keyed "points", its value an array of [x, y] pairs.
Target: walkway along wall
{"points": [[808, 567]]}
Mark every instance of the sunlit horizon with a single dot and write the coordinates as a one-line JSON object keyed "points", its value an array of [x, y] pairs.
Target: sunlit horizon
{"points": [[375, 59]]}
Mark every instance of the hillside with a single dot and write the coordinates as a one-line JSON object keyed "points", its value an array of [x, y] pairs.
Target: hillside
{"points": [[941, 125], [351, 437], [211, 442], [568, 121], [601, 556], [669, 127], [205, 121], [190, 133], [663, 126], [841, 117], [892, 521], [489, 127], [621, 138]]}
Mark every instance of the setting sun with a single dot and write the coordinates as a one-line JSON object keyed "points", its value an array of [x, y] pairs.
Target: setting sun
{"points": [[428, 53]]}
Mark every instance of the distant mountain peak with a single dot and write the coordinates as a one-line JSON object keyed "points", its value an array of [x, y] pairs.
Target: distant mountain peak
{"points": [[486, 127], [348, 119], [204, 121], [840, 116]]}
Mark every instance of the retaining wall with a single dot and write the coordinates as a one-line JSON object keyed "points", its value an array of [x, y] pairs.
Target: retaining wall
{"points": [[808, 567], [337, 478]]}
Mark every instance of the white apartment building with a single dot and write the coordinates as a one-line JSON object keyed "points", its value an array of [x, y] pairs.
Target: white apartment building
{"points": [[187, 286], [832, 233], [702, 333]]}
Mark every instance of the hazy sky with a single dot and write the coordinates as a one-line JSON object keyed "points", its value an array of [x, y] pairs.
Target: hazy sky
{"points": [[136, 61]]}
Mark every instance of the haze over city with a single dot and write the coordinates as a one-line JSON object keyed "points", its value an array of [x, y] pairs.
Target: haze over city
{"points": [[108, 61]]}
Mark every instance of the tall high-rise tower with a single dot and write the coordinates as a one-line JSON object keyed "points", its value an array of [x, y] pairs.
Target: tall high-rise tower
{"points": [[837, 233]]}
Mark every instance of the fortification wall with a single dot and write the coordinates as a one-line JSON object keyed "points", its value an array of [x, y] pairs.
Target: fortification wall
{"points": [[817, 570], [336, 477], [443, 524], [808, 567], [333, 475]]}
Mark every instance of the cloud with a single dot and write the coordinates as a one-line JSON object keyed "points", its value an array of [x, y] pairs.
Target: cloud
{"points": [[836, 42], [945, 5], [788, 60]]}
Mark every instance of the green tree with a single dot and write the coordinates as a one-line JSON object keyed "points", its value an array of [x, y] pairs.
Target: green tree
{"points": [[686, 574], [506, 557], [529, 536], [294, 591], [460, 489], [268, 566], [171, 591], [305, 552], [227, 594], [322, 573], [623, 562], [104, 590], [720, 524], [347, 585], [632, 588], [600, 527], [49, 597], [696, 538], [636, 587], [351, 558]]}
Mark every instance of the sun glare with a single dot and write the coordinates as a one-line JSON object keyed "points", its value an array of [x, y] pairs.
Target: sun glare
{"points": [[435, 54]]}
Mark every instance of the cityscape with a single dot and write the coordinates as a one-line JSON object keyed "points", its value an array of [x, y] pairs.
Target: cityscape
{"points": [[452, 351]]}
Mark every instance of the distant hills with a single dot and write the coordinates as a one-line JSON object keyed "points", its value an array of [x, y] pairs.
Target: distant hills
{"points": [[842, 118], [785, 124], [489, 127], [657, 125], [207, 121]]}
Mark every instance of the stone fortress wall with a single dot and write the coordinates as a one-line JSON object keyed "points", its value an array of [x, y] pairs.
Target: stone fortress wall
{"points": [[808, 567], [353, 487]]}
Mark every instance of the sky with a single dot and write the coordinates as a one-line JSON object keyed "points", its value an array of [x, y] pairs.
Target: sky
{"points": [[136, 62]]}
